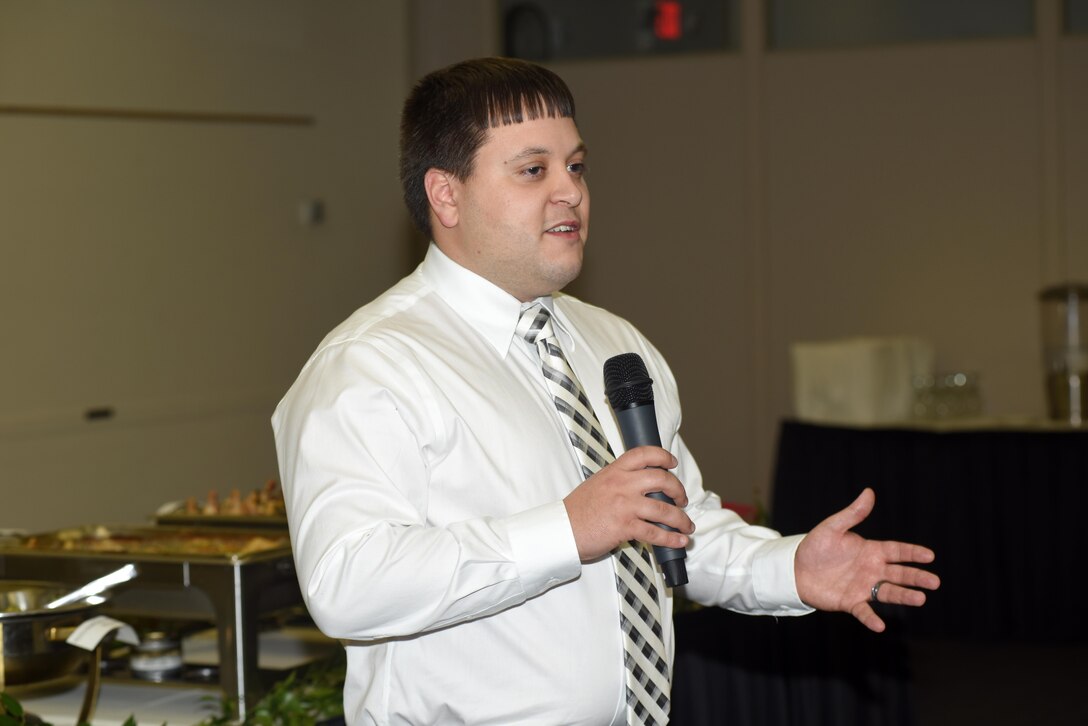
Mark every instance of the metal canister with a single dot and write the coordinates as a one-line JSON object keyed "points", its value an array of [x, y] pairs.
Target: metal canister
{"points": [[157, 658]]}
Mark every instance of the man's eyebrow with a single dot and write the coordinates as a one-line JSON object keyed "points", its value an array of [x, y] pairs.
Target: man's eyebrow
{"points": [[532, 151]]}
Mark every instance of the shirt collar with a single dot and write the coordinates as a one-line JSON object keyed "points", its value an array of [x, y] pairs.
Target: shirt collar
{"points": [[489, 309]]}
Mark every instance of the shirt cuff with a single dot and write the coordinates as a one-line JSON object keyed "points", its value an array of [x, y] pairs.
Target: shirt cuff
{"points": [[774, 578], [543, 547]]}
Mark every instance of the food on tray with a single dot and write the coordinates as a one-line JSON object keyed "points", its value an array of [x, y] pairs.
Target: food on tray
{"points": [[266, 502], [162, 541]]}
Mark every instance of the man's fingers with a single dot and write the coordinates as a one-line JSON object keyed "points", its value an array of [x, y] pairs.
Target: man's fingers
{"points": [[868, 617], [649, 468], [642, 457], [658, 480], [896, 595], [651, 534], [854, 514], [612, 507], [905, 552], [906, 576], [658, 512]]}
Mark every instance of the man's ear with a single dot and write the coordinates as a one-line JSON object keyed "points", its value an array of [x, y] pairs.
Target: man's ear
{"points": [[440, 186]]}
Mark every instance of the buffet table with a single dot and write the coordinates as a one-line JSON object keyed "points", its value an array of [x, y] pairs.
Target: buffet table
{"points": [[229, 577]]}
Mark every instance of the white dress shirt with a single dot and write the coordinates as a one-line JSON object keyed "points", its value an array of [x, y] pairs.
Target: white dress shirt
{"points": [[424, 467]]}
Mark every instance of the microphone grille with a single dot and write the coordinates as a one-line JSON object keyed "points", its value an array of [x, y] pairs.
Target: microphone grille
{"points": [[627, 382]]}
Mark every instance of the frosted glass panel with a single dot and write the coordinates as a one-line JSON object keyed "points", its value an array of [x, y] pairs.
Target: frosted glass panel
{"points": [[1076, 16], [848, 23]]}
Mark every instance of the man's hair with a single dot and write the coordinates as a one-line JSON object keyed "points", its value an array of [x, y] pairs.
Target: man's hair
{"points": [[447, 116]]}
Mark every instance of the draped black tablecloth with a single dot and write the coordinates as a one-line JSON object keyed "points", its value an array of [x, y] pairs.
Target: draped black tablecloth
{"points": [[1004, 510], [821, 669]]}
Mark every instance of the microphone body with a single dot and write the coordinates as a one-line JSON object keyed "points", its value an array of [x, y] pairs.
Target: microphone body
{"points": [[630, 393]]}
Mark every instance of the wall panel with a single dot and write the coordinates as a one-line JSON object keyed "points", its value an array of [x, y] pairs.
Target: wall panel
{"points": [[904, 198], [155, 265]]}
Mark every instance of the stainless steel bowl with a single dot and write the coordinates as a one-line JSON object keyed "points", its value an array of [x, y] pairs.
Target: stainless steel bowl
{"points": [[32, 638]]}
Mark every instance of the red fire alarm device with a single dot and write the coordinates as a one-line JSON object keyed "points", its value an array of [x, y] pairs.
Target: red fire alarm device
{"points": [[668, 20]]}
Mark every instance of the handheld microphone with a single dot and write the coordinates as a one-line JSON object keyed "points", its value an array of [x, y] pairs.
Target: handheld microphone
{"points": [[630, 393]]}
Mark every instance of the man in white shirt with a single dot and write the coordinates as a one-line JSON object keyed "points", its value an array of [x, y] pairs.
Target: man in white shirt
{"points": [[440, 521]]}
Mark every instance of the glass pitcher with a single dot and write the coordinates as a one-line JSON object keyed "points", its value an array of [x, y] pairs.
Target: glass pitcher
{"points": [[1065, 351]]}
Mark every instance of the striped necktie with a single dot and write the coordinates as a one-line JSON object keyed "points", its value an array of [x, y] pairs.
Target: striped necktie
{"points": [[640, 612]]}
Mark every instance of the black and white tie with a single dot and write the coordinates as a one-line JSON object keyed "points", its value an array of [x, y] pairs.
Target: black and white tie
{"points": [[640, 611]]}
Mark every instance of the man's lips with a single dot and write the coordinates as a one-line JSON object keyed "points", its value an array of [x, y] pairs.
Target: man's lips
{"points": [[564, 228]]}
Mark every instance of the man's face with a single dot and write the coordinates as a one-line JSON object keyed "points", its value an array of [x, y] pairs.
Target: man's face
{"points": [[523, 215]]}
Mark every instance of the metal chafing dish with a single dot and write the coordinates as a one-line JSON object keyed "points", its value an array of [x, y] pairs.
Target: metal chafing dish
{"points": [[32, 647], [229, 576]]}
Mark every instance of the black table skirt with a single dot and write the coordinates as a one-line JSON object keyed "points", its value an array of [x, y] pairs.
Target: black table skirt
{"points": [[821, 669], [1003, 509]]}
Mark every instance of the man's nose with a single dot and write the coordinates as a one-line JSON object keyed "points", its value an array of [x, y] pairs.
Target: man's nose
{"points": [[568, 191]]}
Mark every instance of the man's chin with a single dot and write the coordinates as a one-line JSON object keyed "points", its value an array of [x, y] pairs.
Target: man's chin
{"points": [[564, 280]]}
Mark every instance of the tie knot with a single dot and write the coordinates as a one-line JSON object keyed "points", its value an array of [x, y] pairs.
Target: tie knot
{"points": [[535, 324]]}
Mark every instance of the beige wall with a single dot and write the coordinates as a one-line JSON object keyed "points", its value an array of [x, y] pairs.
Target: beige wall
{"points": [[904, 197], [668, 242], [741, 202], [158, 267]]}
